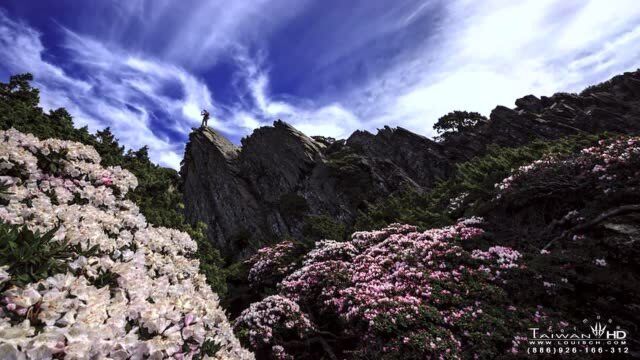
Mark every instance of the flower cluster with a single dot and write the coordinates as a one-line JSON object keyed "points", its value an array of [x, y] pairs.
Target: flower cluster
{"points": [[605, 162], [396, 290], [137, 295], [457, 202], [471, 221], [273, 314], [316, 281], [506, 183], [363, 239], [600, 262], [272, 262], [505, 257], [330, 250]]}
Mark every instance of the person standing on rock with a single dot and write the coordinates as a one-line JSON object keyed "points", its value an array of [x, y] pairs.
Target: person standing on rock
{"points": [[205, 118]]}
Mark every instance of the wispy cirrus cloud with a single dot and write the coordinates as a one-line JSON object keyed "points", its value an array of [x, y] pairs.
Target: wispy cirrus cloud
{"points": [[492, 52], [475, 56], [261, 107], [147, 101], [117, 90], [197, 33], [328, 68]]}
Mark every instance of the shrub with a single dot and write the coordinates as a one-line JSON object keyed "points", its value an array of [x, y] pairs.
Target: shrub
{"points": [[157, 193], [471, 186], [458, 121], [99, 269], [606, 167], [391, 294], [272, 263], [575, 218], [264, 323], [600, 178], [211, 262], [316, 227]]}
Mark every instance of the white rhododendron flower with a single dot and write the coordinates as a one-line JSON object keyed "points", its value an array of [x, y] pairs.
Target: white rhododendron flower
{"points": [[139, 295]]}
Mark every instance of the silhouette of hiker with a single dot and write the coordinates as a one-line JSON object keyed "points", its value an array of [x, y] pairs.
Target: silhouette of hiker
{"points": [[205, 117]]}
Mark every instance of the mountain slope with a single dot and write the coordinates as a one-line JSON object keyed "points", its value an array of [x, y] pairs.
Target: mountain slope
{"points": [[281, 183], [82, 274], [552, 246]]}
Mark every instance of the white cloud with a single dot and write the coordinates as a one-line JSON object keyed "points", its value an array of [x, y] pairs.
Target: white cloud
{"points": [[492, 52], [120, 91], [483, 54], [331, 119], [476, 56], [196, 33]]}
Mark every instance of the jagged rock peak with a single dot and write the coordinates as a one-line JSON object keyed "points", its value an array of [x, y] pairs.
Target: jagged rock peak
{"points": [[270, 186], [280, 131], [279, 177], [281, 135], [219, 142]]}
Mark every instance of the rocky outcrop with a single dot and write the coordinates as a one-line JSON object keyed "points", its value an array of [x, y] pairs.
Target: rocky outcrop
{"points": [[280, 179], [612, 106]]}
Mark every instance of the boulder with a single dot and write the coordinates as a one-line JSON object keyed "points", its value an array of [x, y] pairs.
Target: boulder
{"points": [[529, 103]]}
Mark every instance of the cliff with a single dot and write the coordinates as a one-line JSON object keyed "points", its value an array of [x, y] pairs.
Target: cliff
{"points": [[280, 182]]}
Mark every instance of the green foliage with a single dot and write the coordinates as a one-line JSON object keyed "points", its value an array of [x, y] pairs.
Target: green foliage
{"points": [[33, 256], [52, 163], [605, 86], [239, 295], [106, 278], [19, 109], [211, 262], [209, 348], [473, 182], [408, 207], [458, 121], [108, 145], [317, 227], [479, 175]]}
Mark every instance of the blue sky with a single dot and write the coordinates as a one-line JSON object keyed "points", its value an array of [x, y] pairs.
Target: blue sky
{"points": [[147, 67]]}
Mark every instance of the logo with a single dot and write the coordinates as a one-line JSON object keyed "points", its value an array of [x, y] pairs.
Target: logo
{"points": [[598, 329], [591, 337]]}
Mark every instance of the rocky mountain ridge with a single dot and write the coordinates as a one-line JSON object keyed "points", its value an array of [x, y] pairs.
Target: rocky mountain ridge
{"points": [[280, 181]]}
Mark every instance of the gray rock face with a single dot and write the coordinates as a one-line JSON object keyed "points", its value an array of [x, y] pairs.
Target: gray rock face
{"points": [[214, 191], [266, 189], [612, 106]]}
